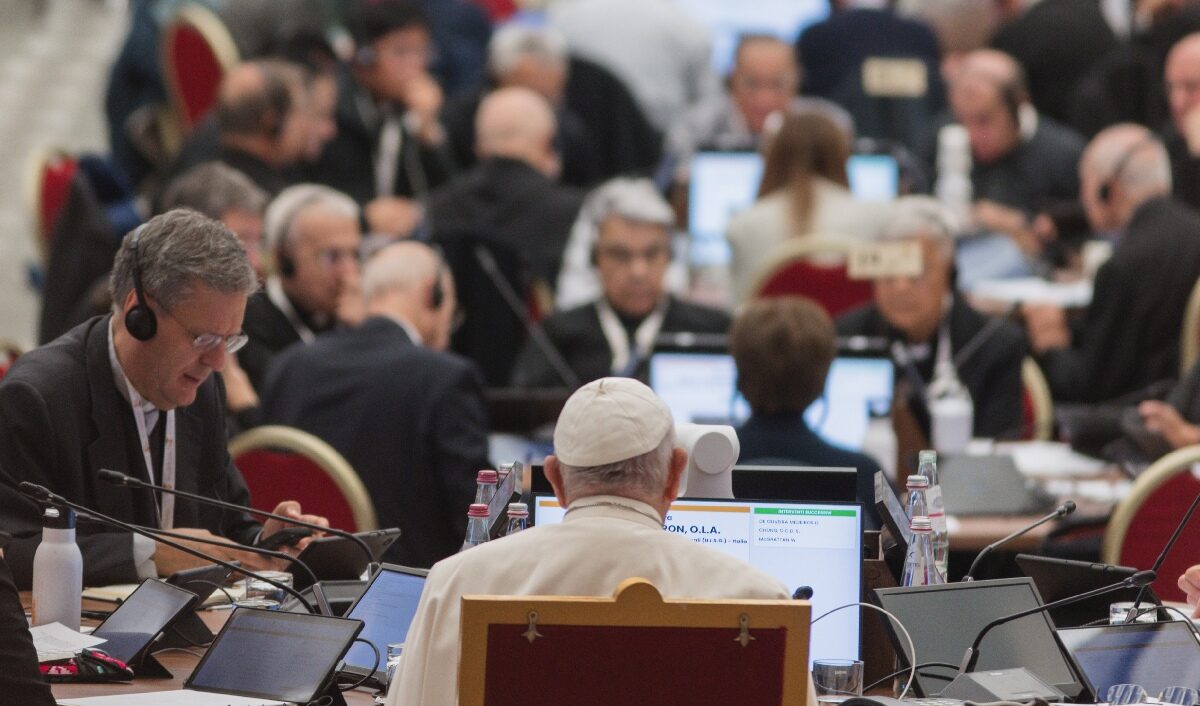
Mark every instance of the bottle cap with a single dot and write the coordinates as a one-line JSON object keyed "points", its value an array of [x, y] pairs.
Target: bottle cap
{"points": [[487, 476], [920, 523], [477, 510], [917, 480], [927, 456], [58, 518], [517, 509]]}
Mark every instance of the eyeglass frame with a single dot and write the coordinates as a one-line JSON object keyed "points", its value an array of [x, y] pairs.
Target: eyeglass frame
{"points": [[205, 342]]}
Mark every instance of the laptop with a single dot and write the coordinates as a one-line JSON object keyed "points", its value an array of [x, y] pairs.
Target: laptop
{"points": [[873, 177], [813, 545], [135, 624], [944, 620], [989, 485], [1152, 655], [1061, 578], [386, 609], [701, 387], [720, 185]]}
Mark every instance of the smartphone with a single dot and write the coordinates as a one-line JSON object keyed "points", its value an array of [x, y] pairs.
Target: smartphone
{"points": [[286, 537]]}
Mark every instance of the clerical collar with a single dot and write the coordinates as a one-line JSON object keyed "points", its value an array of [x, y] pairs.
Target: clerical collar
{"points": [[304, 325]]}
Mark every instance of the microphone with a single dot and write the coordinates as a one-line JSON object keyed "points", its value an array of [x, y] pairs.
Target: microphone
{"points": [[1137, 600], [1139, 580], [241, 547], [1061, 511], [45, 495], [981, 337], [117, 478], [803, 593], [533, 329]]}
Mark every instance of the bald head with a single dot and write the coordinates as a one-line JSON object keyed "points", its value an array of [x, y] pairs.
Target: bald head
{"points": [[1132, 163], [401, 281], [517, 123], [986, 90], [260, 110], [1182, 78]]}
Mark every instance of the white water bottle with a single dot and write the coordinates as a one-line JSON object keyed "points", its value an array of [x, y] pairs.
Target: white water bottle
{"points": [[57, 571], [951, 412], [880, 441]]}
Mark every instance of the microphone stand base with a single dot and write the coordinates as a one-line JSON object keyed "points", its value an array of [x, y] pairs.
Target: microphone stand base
{"points": [[1018, 684]]}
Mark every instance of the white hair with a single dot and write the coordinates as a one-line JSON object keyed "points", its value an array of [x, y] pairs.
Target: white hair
{"points": [[406, 265], [643, 476], [285, 208], [1131, 156], [633, 199], [513, 42]]}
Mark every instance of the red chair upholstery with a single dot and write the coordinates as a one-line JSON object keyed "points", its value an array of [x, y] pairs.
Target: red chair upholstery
{"points": [[197, 51], [1143, 521], [9, 352], [49, 180], [281, 463], [815, 269]]}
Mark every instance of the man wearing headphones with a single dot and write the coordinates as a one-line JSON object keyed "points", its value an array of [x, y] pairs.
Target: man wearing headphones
{"points": [[313, 233], [134, 392], [406, 414], [390, 149], [1129, 337]]}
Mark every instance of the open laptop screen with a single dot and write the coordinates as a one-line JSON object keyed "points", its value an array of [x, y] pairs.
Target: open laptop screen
{"points": [[728, 21], [802, 544], [720, 185], [1152, 655], [701, 387], [386, 608]]}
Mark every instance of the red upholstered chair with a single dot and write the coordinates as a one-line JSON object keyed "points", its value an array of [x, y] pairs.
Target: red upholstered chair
{"points": [[9, 352], [1143, 521], [282, 463], [633, 648], [196, 52], [812, 267], [1037, 407], [48, 181]]}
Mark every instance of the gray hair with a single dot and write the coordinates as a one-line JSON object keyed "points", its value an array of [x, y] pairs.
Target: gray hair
{"points": [[214, 189], [921, 217], [295, 200], [642, 476], [176, 251], [405, 265], [633, 199], [513, 42], [1130, 155]]}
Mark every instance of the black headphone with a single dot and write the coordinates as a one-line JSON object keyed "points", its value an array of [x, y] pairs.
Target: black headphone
{"points": [[1106, 189], [140, 321], [283, 255], [437, 295]]}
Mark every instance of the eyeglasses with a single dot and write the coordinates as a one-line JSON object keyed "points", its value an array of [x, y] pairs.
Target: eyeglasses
{"points": [[330, 257], [625, 257], [205, 342], [1122, 694]]}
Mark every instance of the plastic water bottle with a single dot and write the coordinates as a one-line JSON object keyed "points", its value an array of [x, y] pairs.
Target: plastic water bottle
{"points": [[927, 467], [953, 187], [478, 526], [918, 500], [919, 566], [880, 441], [951, 410], [57, 571], [518, 518]]}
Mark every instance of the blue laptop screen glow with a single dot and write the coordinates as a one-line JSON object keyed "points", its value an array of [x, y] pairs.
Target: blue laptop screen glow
{"points": [[720, 185], [702, 388], [728, 20], [386, 609], [801, 544]]}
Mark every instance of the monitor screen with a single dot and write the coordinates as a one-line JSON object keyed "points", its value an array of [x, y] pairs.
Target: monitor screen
{"points": [[1152, 655], [873, 177], [132, 626], [720, 185], [386, 608], [801, 544], [702, 388], [273, 654], [944, 620], [730, 20]]}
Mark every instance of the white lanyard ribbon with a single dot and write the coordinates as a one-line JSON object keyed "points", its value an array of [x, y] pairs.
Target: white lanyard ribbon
{"points": [[624, 359], [165, 507]]}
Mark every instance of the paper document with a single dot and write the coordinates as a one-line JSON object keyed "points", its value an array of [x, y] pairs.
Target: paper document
{"points": [[181, 697], [118, 592], [1050, 459], [1035, 291], [57, 641]]}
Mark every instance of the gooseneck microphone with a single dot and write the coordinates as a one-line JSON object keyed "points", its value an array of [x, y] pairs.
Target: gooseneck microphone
{"points": [[1139, 580], [1059, 512], [1137, 600], [45, 495], [240, 547], [117, 478]]}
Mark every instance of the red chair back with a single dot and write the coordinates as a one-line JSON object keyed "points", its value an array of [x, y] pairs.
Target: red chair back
{"points": [[274, 476], [197, 50], [1153, 524], [827, 284], [54, 175]]}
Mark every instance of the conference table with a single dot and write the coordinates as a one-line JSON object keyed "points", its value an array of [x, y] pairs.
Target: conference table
{"points": [[177, 661]]}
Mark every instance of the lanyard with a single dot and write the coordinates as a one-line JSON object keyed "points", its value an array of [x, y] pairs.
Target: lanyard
{"points": [[626, 358], [165, 507]]}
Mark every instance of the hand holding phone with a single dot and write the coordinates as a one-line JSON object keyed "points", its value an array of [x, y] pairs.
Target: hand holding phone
{"points": [[286, 537]]}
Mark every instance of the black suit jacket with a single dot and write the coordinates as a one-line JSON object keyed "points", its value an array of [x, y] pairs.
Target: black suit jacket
{"points": [[62, 420], [269, 331], [410, 420], [769, 439], [1130, 334], [577, 335], [992, 373], [20, 681]]}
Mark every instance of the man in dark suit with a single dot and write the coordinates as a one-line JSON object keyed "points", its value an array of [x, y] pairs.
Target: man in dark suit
{"points": [[134, 392], [1129, 337], [313, 233], [615, 334], [390, 149], [19, 680], [925, 321], [407, 416], [783, 348]]}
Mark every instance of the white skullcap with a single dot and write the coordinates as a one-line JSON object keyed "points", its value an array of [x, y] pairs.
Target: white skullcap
{"points": [[610, 420]]}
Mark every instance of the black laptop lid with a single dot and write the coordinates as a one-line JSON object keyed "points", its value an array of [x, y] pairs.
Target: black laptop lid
{"points": [[338, 558], [1061, 578], [131, 628], [1152, 655]]}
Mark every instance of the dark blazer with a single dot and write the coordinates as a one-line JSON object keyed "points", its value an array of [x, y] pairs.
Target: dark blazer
{"points": [[62, 420], [1130, 333], [348, 161], [577, 335], [20, 681], [769, 439], [410, 420], [269, 331], [992, 373], [511, 202]]}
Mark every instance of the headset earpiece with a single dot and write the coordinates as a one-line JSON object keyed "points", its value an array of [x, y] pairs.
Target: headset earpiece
{"points": [[287, 266], [593, 257], [1105, 192], [140, 321], [437, 295]]}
